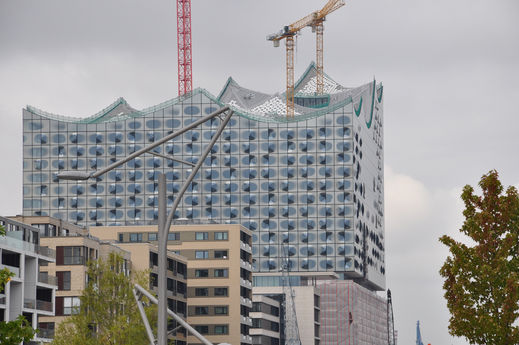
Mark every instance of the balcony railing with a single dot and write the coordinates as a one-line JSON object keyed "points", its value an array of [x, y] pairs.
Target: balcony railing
{"points": [[14, 241], [15, 270], [37, 304], [47, 279]]}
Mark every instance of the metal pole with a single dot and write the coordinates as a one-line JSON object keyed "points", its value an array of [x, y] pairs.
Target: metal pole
{"points": [[175, 316], [144, 318], [162, 323]]}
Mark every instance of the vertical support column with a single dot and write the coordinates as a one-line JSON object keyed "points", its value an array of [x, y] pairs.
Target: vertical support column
{"points": [[290, 76], [319, 28], [162, 323]]}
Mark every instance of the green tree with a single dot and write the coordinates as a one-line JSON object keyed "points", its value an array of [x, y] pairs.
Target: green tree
{"points": [[482, 278], [16, 331], [108, 312]]}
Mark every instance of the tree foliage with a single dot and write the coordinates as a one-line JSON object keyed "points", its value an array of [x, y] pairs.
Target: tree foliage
{"points": [[16, 331], [108, 312], [482, 279]]}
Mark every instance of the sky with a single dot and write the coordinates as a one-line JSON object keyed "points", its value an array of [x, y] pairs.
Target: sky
{"points": [[450, 70]]}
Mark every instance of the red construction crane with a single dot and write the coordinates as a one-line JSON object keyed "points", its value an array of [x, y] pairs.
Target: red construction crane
{"points": [[185, 72]]}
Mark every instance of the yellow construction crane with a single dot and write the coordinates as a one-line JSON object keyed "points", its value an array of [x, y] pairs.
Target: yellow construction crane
{"points": [[315, 21]]}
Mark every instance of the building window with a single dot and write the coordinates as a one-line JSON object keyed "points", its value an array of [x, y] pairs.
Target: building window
{"points": [[201, 236], [220, 291], [220, 254], [73, 256], [201, 273], [63, 280], [202, 329], [120, 238], [221, 273], [201, 310], [173, 236], [201, 254], [152, 236], [221, 236], [136, 237], [221, 329], [221, 310], [201, 292], [71, 305]]}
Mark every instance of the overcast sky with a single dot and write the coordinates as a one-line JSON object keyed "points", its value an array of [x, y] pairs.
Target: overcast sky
{"points": [[450, 70]]}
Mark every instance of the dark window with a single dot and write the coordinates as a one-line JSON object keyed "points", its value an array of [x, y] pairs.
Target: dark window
{"points": [[201, 292], [220, 254], [201, 273], [221, 310], [173, 236], [63, 280], [201, 310], [135, 237], [202, 329], [221, 329], [221, 273], [220, 291]]}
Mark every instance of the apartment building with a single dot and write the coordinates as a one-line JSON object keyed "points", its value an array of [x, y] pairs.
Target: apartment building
{"points": [[29, 293], [219, 274], [266, 314]]}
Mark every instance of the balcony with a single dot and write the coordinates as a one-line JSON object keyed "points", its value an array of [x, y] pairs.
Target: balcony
{"points": [[245, 301], [246, 265], [37, 304], [15, 270], [245, 283], [246, 320], [13, 240], [246, 339], [246, 247], [46, 279]]}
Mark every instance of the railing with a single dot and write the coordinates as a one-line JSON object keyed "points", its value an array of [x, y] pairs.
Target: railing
{"points": [[46, 279], [46, 251], [13, 240], [43, 305], [245, 246], [15, 270], [29, 303]]}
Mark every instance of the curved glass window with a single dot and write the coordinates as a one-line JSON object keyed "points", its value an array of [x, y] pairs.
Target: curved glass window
{"points": [[40, 164], [268, 198], [211, 199], [77, 189], [249, 173], [325, 197], [115, 202], [307, 198], [211, 187], [343, 184], [59, 139], [344, 171], [96, 150], [249, 186], [325, 171], [268, 224], [76, 138], [307, 185], [135, 213], [39, 151], [230, 148], [96, 163], [307, 133], [248, 147], [230, 135], [230, 212], [268, 173], [77, 202], [115, 137], [307, 172], [345, 250], [288, 146], [325, 185], [326, 264], [249, 211], [307, 159], [208, 135], [115, 175], [288, 134], [77, 151], [287, 185], [268, 211], [306, 146], [344, 132], [325, 146], [288, 198], [288, 172], [344, 197], [230, 160], [77, 163], [191, 110], [135, 124], [41, 139], [250, 199], [59, 151], [153, 162], [172, 149], [96, 202], [152, 175], [343, 157], [288, 160], [229, 173], [77, 215], [325, 159], [193, 187], [135, 163], [269, 147], [268, 186], [325, 250], [325, 132], [134, 136], [344, 210], [173, 187], [307, 237], [307, 264], [252, 225], [325, 211], [344, 146], [192, 135], [58, 164], [249, 160], [269, 251], [288, 211], [134, 201], [192, 148], [134, 175], [153, 124], [59, 203], [115, 188], [344, 224], [325, 224], [308, 224], [95, 138], [173, 123], [210, 212], [288, 224], [133, 147], [249, 135], [343, 120], [135, 188], [153, 136], [229, 199], [268, 134], [96, 188], [307, 250], [230, 187], [191, 200]]}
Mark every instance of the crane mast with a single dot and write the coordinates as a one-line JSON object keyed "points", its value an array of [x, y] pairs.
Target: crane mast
{"points": [[315, 21], [291, 326], [185, 72]]}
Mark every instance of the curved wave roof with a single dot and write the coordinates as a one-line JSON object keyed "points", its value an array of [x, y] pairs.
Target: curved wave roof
{"points": [[251, 104]]}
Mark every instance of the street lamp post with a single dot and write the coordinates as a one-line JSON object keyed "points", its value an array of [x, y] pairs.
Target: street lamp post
{"points": [[164, 220]]}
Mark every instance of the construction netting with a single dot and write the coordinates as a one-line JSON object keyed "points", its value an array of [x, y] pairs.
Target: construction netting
{"points": [[351, 315]]}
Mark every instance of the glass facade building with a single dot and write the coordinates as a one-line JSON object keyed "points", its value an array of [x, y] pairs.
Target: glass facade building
{"points": [[311, 185]]}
